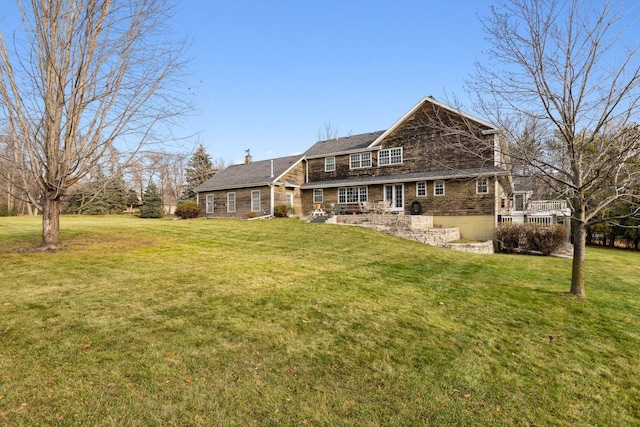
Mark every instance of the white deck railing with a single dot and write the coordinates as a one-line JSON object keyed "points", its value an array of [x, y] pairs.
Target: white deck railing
{"points": [[547, 205], [540, 220]]}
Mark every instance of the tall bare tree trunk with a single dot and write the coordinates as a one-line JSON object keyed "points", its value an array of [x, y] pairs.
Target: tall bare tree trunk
{"points": [[563, 82], [50, 224], [577, 268], [85, 80]]}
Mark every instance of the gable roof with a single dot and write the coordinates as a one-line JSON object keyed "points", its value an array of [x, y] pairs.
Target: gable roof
{"points": [[430, 100], [342, 145], [255, 174], [368, 141]]}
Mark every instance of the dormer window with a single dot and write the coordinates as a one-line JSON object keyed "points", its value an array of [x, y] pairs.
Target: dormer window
{"points": [[390, 156], [360, 160]]}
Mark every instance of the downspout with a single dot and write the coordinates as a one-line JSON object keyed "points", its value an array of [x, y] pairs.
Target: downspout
{"points": [[496, 201], [273, 198], [272, 188]]}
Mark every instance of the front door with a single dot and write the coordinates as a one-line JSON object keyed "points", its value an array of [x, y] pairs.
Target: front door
{"points": [[395, 194]]}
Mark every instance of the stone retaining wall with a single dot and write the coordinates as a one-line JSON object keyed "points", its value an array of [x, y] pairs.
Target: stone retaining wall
{"points": [[476, 248], [415, 227], [433, 236], [411, 222]]}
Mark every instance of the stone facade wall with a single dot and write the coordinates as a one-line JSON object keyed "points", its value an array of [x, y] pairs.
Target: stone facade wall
{"points": [[459, 199]]}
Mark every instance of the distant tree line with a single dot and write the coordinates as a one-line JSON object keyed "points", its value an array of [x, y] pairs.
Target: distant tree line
{"points": [[152, 185], [618, 229]]}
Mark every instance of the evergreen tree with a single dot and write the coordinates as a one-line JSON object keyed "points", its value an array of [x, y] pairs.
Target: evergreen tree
{"points": [[115, 196], [132, 199], [151, 203], [102, 196], [198, 170]]}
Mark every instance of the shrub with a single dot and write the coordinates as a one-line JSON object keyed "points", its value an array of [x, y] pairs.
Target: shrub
{"points": [[282, 210], [5, 211], [151, 203], [545, 239], [188, 209], [533, 237], [252, 215], [509, 234]]}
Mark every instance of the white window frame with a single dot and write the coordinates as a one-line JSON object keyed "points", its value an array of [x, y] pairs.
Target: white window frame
{"points": [[231, 202], [255, 201], [482, 186], [360, 160], [329, 164], [318, 196], [390, 156], [209, 206], [423, 190], [438, 188], [348, 195]]}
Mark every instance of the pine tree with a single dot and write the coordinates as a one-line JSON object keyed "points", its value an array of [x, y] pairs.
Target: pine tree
{"points": [[115, 196], [151, 203], [132, 199], [101, 196], [198, 170]]}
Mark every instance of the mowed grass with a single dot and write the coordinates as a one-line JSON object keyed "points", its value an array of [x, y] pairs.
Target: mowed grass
{"points": [[211, 322]]}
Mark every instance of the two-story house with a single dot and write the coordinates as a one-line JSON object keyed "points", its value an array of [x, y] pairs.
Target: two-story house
{"points": [[434, 160]]}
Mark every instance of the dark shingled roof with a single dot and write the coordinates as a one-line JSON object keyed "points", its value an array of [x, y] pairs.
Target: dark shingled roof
{"points": [[249, 175], [339, 145]]}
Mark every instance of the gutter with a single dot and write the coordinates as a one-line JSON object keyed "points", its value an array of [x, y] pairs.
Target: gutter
{"points": [[392, 180]]}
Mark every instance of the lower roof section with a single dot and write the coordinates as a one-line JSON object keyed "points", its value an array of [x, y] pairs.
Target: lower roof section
{"points": [[408, 177]]}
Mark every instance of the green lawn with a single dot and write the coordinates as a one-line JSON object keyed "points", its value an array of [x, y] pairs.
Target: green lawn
{"points": [[212, 322]]}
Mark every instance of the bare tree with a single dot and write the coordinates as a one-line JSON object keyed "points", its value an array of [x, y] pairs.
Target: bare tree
{"points": [[83, 77], [14, 198], [170, 171], [220, 163], [327, 132], [566, 89]]}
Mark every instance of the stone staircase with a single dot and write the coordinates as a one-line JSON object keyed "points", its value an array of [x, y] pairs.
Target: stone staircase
{"points": [[419, 228], [413, 227]]}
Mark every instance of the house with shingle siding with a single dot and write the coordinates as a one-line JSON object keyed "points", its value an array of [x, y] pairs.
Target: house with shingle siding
{"points": [[252, 188], [434, 160]]}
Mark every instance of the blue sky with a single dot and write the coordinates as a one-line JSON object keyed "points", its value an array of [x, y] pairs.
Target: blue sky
{"points": [[267, 75]]}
